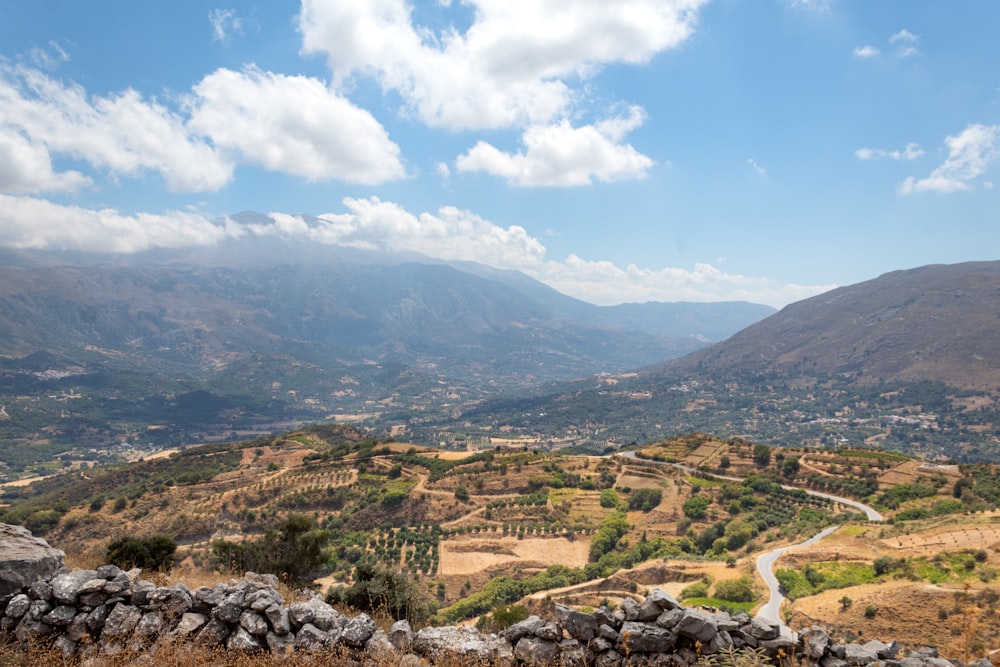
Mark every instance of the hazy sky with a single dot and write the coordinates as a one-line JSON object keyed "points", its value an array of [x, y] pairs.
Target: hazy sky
{"points": [[624, 150]]}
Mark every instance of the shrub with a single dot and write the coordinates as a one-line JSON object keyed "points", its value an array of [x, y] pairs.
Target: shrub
{"points": [[645, 499], [461, 493], [696, 507], [380, 590], [609, 498], [870, 612], [698, 589], [735, 590], [149, 553]]}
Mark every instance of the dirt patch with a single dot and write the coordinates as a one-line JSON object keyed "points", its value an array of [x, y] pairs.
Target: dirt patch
{"points": [[463, 557]]}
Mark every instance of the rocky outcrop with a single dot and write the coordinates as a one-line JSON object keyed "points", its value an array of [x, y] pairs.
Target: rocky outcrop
{"points": [[25, 559], [87, 612]]}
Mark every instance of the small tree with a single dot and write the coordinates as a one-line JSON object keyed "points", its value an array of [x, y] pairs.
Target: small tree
{"points": [[461, 493], [870, 612], [845, 603]]}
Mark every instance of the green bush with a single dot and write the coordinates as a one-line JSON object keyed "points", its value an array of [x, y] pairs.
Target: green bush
{"points": [[696, 508], [735, 590], [149, 553], [698, 589], [609, 498], [645, 499]]}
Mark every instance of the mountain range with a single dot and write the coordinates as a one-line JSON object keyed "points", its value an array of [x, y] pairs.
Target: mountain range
{"points": [[253, 333]]}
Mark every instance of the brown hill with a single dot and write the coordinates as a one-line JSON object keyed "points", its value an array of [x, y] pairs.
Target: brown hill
{"points": [[936, 323]]}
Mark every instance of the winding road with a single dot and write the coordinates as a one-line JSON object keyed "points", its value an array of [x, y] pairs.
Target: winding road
{"points": [[765, 562]]}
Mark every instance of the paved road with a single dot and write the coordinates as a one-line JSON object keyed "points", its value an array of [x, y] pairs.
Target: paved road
{"points": [[765, 562]]}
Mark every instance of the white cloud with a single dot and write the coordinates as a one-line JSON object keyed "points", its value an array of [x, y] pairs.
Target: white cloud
{"points": [[30, 223], [448, 234], [970, 154], [224, 22], [866, 51], [293, 124], [905, 43], [26, 167], [756, 167], [911, 152], [516, 65], [562, 155], [122, 133]]}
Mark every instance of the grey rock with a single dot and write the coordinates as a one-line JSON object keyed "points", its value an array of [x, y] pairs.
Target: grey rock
{"points": [[61, 615], [264, 580], [140, 591], [600, 644], [121, 621], [96, 618], [401, 635], [572, 653], [77, 628], [937, 662], [460, 644], [311, 639], [815, 642], [669, 619], [381, 650], [231, 607], [66, 586], [721, 641], [213, 633], [608, 659], [149, 625], [282, 645], [579, 625], [277, 616], [549, 631], [358, 630], [411, 660], [37, 609], [40, 590], [640, 638], [648, 611], [253, 623], [609, 633], [761, 629], [882, 650], [603, 616], [108, 572], [190, 623], [856, 654], [262, 598], [174, 601], [536, 652], [18, 606], [524, 628], [630, 608], [833, 661], [696, 625], [25, 559], [781, 644], [241, 640], [662, 599], [66, 647], [206, 598], [29, 630], [925, 652]]}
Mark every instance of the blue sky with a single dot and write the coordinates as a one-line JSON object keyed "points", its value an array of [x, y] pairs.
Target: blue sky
{"points": [[634, 150]]}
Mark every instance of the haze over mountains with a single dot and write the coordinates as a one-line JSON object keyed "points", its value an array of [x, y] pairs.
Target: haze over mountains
{"points": [[261, 332]]}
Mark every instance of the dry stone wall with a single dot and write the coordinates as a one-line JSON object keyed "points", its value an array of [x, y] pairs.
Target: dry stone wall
{"points": [[108, 611]]}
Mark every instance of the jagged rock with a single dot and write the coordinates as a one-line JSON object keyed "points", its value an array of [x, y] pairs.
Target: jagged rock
{"points": [[882, 650], [206, 598], [524, 628], [91, 592], [213, 633], [282, 645], [579, 625], [231, 607], [641, 638], [761, 629], [357, 631], [262, 598], [77, 629], [573, 653], [25, 559], [600, 644], [696, 625], [381, 650], [61, 615], [190, 623], [266, 580], [141, 591], [411, 660], [401, 635], [783, 643], [535, 651], [457, 644], [18, 606], [609, 633], [40, 590], [66, 586], [277, 616], [253, 623], [721, 641], [856, 654], [549, 631], [65, 646], [815, 642], [310, 638], [29, 630], [670, 618], [149, 625], [121, 621], [662, 599], [608, 659], [174, 601], [630, 608], [37, 609], [313, 611], [108, 572], [648, 611], [603, 616], [241, 640], [97, 617]]}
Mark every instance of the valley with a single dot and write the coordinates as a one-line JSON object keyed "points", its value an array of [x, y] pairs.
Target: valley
{"points": [[481, 533]]}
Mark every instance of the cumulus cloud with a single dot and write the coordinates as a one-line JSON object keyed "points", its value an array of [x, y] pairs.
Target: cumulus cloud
{"points": [[224, 22], [516, 65], [905, 43], [866, 51], [293, 124], [970, 154], [31, 223], [756, 167], [911, 152], [562, 155], [122, 133], [26, 167]]}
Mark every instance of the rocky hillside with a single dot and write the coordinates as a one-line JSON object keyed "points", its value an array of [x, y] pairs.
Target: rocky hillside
{"points": [[934, 323]]}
